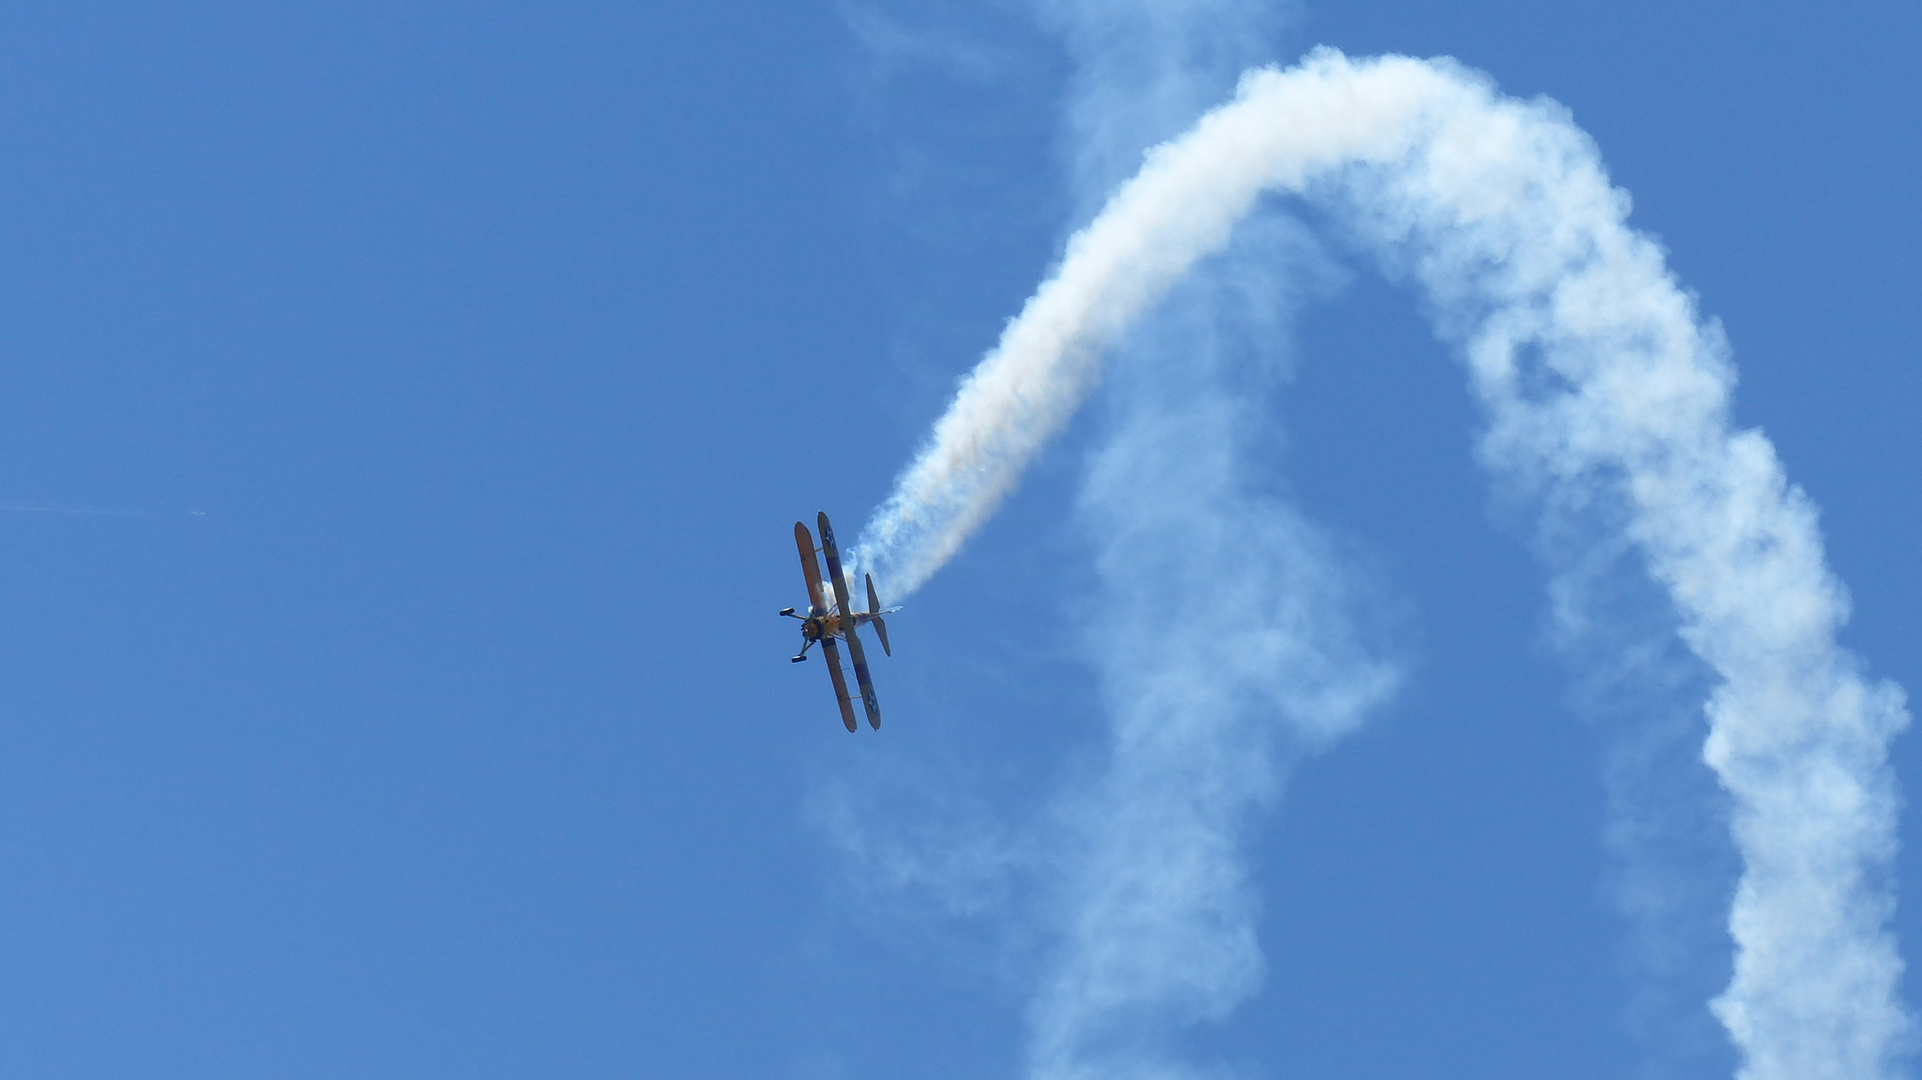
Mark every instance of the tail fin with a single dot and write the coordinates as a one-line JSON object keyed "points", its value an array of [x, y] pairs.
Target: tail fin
{"points": [[874, 609]]}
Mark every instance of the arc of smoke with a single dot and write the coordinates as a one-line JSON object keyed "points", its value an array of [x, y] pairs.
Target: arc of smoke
{"points": [[1181, 206], [1599, 381]]}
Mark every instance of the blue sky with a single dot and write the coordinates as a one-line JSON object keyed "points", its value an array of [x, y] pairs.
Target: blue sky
{"points": [[454, 374]]}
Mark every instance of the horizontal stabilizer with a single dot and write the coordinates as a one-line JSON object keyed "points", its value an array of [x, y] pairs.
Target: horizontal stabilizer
{"points": [[874, 609]]}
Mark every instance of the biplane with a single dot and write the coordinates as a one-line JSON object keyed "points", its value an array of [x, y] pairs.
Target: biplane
{"points": [[823, 624]]}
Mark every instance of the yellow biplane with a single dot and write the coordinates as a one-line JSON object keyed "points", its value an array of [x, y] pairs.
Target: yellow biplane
{"points": [[823, 623]]}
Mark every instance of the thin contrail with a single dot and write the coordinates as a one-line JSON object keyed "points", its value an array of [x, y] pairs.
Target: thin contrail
{"points": [[17, 509], [69, 510], [1600, 383]]}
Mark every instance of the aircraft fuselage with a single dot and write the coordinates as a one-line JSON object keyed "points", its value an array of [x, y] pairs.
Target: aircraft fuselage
{"points": [[816, 627]]}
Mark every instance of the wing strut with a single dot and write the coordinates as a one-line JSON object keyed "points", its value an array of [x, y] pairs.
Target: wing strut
{"points": [[868, 698]]}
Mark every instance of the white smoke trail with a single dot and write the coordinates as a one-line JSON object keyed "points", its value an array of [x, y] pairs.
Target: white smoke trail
{"points": [[1599, 383], [1225, 648]]}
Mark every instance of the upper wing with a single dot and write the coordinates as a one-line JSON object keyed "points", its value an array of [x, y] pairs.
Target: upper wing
{"points": [[834, 562], [810, 570], [868, 699], [833, 657]]}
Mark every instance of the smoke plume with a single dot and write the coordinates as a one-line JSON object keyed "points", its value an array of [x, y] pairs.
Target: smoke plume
{"points": [[1600, 383]]}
